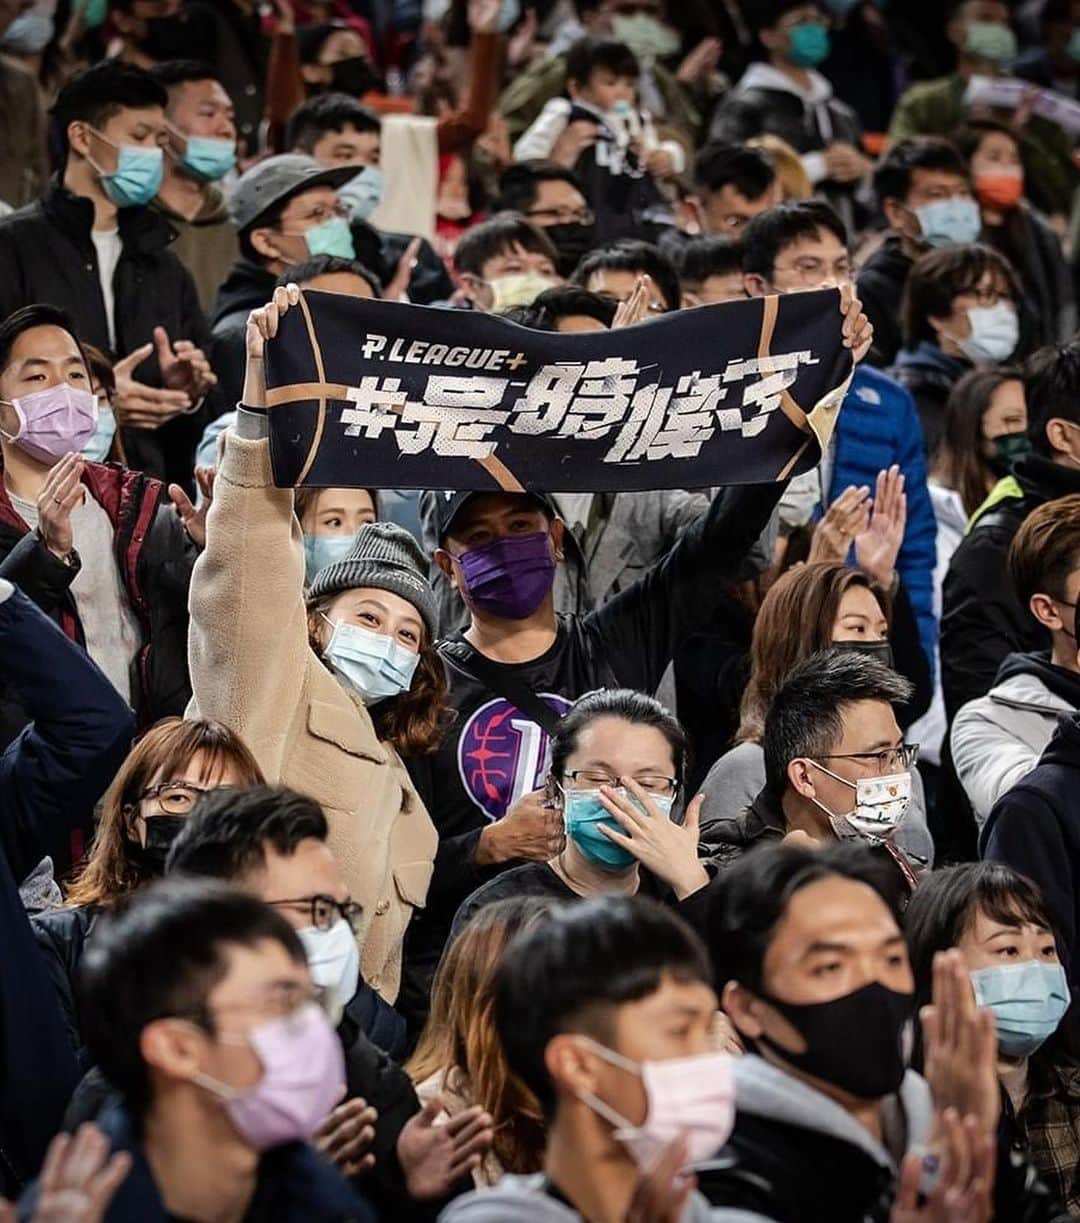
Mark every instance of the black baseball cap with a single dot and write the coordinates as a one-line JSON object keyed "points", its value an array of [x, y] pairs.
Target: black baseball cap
{"points": [[448, 504]]}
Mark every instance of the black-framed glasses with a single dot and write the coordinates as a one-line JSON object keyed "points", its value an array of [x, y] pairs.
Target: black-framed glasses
{"points": [[888, 761], [175, 797], [651, 783], [325, 911], [562, 216]]}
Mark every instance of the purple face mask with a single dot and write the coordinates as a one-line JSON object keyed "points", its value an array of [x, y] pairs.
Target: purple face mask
{"points": [[303, 1074], [54, 422], [510, 577]]}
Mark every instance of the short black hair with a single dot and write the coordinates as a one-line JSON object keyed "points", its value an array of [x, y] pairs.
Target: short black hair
{"points": [[631, 255], [722, 163], [709, 255], [589, 53], [775, 229], [638, 708], [172, 72], [328, 265], [804, 718], [892, 175], [563, 301], [759, 886], [1052, 390], [519, 183], [227, 833], [940, 276], [327, 112], [97, 93], [497, 234], [40, 314], [568, 974], [765, 14], [312, 36], [159, 955]]}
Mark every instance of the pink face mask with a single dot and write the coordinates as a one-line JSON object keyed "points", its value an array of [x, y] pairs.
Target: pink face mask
{"points": [[303, 1076], [687, 1097], [54, 422]]}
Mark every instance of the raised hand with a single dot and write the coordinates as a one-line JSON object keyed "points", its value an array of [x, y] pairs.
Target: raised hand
{"points": [[483, 16], [435, 1156], [262, 325], [395, 288], [60, 494], [139, 406], [847, 517], [700, 62], [78, 1179], [661, 1193], [574, 139], [878, 544], [346, 1136], [531, 830], [194, 520], [961, 1169], [636, 306], [667, 849], [183, 366], [858, 331]]}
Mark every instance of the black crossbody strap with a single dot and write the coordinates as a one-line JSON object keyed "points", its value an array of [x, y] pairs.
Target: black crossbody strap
{"points": [[509, 685]]}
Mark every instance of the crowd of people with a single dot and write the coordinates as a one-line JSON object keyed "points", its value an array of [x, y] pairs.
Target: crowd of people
{"points": [[385, 853]]}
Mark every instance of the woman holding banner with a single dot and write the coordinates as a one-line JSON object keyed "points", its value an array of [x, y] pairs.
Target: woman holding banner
{"points": [[327, 692]]}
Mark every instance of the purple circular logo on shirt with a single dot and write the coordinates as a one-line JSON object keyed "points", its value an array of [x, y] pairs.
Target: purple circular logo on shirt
{"points": [[503, 754]]}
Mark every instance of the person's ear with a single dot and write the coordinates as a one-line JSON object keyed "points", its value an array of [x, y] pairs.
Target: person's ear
{"points": [[738, 1004], [173, 1048], [79, 137], [318, 631], [895, 213], [800, 778], [772, 40], [755, 285], [688, 215], [1058, 434], [477, 290], [446, 563], [1045, 610], [571, 1065], [264, 242], [956, 31], [937, 324], [557, 532]]}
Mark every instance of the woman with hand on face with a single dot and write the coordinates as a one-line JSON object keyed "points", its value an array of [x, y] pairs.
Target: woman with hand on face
{"points": [[618, 761], [330, 691], [996, 920]]}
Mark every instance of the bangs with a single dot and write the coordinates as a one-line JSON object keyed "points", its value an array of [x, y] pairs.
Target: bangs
{"points": [[1009, 899]]}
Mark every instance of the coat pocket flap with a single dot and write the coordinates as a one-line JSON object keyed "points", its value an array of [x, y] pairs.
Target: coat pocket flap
{"points": [[329, 723], [412, 880]]}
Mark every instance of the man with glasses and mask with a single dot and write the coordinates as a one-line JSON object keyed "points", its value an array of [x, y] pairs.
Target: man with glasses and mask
{"points": [[802, 245], [836, 767], [272, 843], [551, 196], [202, 1014]]}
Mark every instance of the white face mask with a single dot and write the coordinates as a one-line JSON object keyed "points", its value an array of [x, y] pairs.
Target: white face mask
{"points": [[995, 332], [880, 806], [333, 958]]}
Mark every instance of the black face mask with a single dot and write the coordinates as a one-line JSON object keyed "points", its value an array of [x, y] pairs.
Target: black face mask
{"points": [[881, 650], [572, 243], [172, 38], [161, 831], [855, 1042], [353, 76]]}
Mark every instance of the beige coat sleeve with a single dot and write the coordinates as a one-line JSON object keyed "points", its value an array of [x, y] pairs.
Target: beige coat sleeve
{"points": [[248, 642]]}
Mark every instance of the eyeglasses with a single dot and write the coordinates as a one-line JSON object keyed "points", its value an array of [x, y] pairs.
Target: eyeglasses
{"points": [[175, 797], [316, 216], [593, 779], [325, 911], [279, 1000], [891, 760], [813, 271], [562, 216]]}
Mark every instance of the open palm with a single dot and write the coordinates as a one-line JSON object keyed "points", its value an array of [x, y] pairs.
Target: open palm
{"points": [[877, 547]]}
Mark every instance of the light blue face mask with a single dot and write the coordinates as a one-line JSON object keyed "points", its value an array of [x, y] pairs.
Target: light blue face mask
{"points": [[209, 157], [373, 665], [137, 177], [583, 811], [808, 43], [29, 34], [332, 237], [990, 40], [323, 550], [362, 193], [1028, 1001], [98, 447], [950, 222]]}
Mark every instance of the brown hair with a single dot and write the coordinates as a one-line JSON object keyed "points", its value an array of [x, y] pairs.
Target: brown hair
{"points": [[960, 463], [305, 497], [1046, 549], [165, 750], [796, 620], [460, 1037], [794, 181], [414, 722]]}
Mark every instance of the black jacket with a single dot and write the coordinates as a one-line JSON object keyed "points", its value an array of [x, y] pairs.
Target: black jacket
{"points": [[55, 770], [47, 255], [982, 620], [247, 287], [61, 936], [1035, 828], [880, 286], [154, 556], [930, 375]]}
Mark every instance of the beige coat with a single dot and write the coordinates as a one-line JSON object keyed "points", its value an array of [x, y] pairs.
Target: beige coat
{"points": [[252, 669]]}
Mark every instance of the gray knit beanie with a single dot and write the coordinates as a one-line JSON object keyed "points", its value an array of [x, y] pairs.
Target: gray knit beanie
{"points": [[384, 556]]}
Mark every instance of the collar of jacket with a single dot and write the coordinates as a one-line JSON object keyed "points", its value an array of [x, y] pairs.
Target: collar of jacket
{"points": [[113, 487], [764, 819], [1042, 479], [141, 229]]}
